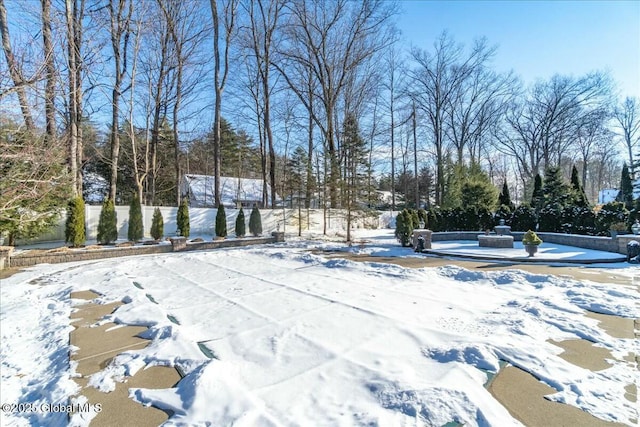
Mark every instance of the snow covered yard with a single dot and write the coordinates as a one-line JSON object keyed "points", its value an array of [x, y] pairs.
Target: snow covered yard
{"points": [[297, 339]]}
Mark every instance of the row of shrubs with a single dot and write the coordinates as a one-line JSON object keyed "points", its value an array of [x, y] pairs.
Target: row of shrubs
{"points": [[75, 233], [551, 218]]}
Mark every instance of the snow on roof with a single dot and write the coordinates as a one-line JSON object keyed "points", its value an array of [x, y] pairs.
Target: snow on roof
{"points": [[200, 189]]}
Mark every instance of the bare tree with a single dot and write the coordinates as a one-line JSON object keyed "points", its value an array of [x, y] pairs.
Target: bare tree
{"points": [[393, 81], [264, 18], [332, 40], [19, 82], [627, 117], [50, 89], [542, 125], [74, 13], [120, 19], [228, 13], [438, 79]]}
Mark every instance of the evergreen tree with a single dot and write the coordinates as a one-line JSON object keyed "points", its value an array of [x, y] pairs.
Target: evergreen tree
{"points": [[469, 186], [240, 225], [537, 198], [157, 224], [108, 223], [221, 222], [404, 227], [255, 222], [504, 199], [579, 196], [136, 229], [555, 190], [74, 232], [183, 219], [523, 218], [626, 188]]}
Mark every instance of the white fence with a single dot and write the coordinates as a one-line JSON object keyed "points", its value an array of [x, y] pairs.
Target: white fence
{"points": [[202, 221]]}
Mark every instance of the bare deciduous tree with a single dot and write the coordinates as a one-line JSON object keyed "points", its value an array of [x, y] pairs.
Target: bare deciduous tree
{"points": [[332, 40], [627, 117], [19, 82], [228, 14], [120, 30]]}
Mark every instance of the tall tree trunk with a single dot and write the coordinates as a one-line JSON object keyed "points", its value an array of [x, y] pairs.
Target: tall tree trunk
{"points": [[73, 15], [14, 70], [49, 94], [50, 71], [415, 158], [119, 35]]}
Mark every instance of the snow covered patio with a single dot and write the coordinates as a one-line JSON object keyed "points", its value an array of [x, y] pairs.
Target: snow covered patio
{"points": [[299, 339]]}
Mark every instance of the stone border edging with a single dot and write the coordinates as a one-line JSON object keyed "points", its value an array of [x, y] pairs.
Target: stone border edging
{"points": [[599, 243], [71, 255]]}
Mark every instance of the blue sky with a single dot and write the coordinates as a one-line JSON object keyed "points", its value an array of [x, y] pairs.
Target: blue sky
{"points": [[538, 38]]}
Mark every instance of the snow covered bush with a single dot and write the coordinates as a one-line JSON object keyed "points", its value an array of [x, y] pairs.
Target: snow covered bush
{"points": [[550, 218], [157, 224], [523, 218], [504, 212], [609, 214], [74, 232], [108, 223]]}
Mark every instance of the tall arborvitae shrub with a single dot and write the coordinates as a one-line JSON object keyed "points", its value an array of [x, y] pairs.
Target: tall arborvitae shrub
{"points": [[157, 224], [255, 222], [404, 227], [108, 223], [240, 225], [183, 219], [626, 188], [579, 196], [504, 199], [74, 231], [221, 222], [537, 198], [136, 229]]}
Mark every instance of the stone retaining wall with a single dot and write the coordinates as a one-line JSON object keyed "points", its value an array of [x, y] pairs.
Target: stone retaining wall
{"points": [[599, 243], [39, 257]]}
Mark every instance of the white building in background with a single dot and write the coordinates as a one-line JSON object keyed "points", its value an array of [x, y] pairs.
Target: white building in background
{"points": [[609, 194], [234, 192]]}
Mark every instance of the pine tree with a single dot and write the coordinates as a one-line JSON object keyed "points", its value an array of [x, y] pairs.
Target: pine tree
{"points": [[75, 229], [157, 224], [579, 196], [504, 199], [221, 222], [555, 190], [537, 197], [183, 219], [626, 188], [240, 225], [136, 229], [255, 222], [108, 223]]}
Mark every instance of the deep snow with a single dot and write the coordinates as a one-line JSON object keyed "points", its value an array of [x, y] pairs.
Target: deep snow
{"points": [[302, 340]]}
